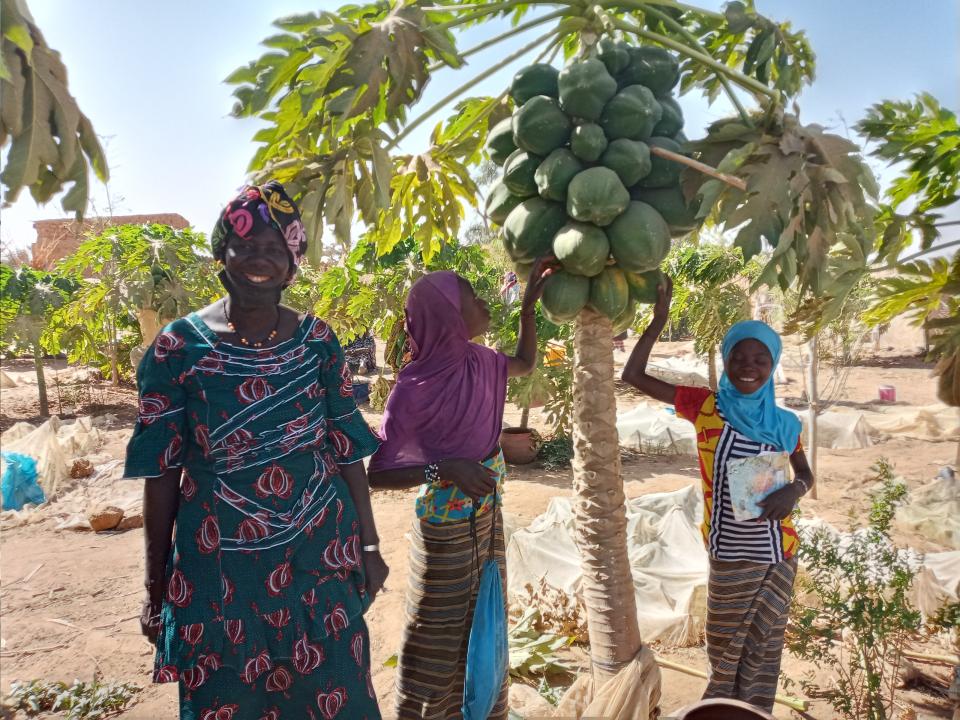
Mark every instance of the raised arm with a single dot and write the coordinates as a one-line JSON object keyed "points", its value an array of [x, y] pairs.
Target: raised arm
{"points": [[525, 360], [635, 371]]}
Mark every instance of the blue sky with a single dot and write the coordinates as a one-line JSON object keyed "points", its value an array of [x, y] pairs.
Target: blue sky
{"points": [[149, 76]]}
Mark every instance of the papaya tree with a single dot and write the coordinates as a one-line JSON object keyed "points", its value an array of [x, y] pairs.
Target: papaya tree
{"points": [[52, 143], [339, 94], [28, 299], [922, 137], [711, 284], [132, 279]]}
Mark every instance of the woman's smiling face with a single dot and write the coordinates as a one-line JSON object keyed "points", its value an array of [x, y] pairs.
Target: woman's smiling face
{"points": [[261, 262], [749, 365]]}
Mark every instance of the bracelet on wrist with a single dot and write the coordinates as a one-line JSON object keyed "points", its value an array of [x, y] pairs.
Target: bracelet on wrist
{"points": [[803, 484], [431, 473], [371, 548]]}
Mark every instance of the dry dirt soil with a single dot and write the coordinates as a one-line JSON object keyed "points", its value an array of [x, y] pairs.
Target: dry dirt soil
{"points": [[70, 600]]}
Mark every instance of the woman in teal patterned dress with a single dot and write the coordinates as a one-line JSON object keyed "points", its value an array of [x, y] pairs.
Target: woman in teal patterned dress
{"points": [[250, 443]]}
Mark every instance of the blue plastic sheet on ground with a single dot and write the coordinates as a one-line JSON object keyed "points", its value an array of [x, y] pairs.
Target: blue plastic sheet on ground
{"points": [[19, 482]]}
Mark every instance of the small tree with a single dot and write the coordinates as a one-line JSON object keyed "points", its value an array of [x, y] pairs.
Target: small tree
{"points": [[710, 295], [132, 279], [853, 612], [28, 298], [923, 137]]}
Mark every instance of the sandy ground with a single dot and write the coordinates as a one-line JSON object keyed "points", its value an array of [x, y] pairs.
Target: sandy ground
{"points": [[70, 600]]}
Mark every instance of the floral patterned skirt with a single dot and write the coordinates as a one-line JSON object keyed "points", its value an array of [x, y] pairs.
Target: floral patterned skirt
{"points": [[339, 687]]}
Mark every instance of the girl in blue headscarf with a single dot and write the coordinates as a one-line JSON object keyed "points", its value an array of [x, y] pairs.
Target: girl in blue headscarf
{"points": [[752, 561]]}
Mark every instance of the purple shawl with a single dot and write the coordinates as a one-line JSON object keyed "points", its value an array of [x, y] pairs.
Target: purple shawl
{"points": [[448, 401]]}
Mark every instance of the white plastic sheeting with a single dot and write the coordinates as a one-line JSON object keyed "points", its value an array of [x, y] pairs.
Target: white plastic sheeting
{"points": [[934, 510], [654, 428], [682, 370], [53, 444], [666, 552], [669, 563]]}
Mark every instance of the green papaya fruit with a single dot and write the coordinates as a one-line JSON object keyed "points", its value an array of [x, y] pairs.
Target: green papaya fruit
{"points": [[639, 238], [554, 174], [500, 144], [540, 126], [585, 87], [588, 142], [564, 296], [596, 195], [633, 113], [609, 292], [533, 80], [629, 159], [663, 172], [582, 248], [500, 202], [519, 173]]}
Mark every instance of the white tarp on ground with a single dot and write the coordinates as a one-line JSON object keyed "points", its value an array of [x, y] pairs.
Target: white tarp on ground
{"points": [[54, 444], [666, 553], [654, 428], [669, 562], [927, 422], [841, 430], [657, 429], [682, 370], [934, 510]]}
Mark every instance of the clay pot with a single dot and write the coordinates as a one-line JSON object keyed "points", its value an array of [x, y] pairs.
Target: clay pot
{"points": [[722, 710], [520, 445]]}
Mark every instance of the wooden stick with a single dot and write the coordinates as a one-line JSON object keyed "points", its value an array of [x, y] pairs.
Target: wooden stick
{"points": [[65, 623], [26, 578], [797, 704], [116, 622], [699, 166], [33, 572], [937, 659], [30, 651]]}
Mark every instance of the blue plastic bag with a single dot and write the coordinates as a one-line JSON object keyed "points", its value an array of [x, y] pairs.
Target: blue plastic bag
{"points": [[19, 482], [487, 652]]}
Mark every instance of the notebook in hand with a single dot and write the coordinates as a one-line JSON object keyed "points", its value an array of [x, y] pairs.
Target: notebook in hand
{"points": [[751, 479]]}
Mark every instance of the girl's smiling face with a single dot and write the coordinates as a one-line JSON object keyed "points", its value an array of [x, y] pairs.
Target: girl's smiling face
{"points": [[749, 366]]}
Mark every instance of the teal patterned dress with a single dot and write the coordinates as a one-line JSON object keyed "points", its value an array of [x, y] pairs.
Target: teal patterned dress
{"points": [[263, 614]]}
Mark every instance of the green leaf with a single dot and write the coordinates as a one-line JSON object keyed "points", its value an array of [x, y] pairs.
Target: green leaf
{"points": [[51, 141], [19, 35]]}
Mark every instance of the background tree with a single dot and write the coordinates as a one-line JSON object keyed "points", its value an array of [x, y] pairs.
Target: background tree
{"points": [[28, 298], [52, 143], [132, 279], [711, 285], [924, 138]]}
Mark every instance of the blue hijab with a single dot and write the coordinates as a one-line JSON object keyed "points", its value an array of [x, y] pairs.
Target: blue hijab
{"points": [[756, 415]]}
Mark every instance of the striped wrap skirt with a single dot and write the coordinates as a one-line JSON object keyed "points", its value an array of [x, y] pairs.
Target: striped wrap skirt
{"points": [[442, 592], [748, 605]]}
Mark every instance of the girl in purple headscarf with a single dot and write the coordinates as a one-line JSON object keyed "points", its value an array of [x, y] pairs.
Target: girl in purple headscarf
{"points": [[441, 431]]}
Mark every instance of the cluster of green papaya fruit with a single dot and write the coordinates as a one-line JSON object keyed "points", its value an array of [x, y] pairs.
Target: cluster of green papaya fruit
{"points": [[579, 180]]}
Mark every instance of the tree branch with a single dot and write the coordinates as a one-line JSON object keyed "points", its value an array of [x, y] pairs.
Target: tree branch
{"points": [[693, 42], [491, 9], [738, 77], [908, 258], [730, 180], [486, 113], [499, 38], [444, 101]]}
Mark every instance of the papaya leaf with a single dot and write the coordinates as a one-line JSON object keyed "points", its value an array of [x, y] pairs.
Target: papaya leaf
{"points": [[52, 144]]}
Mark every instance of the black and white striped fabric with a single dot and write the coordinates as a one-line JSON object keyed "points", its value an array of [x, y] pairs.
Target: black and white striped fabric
{"points": [[731, 539]]}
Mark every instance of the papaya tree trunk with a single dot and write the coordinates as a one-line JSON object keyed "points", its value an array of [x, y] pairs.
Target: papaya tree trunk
{"points": [[149, 321], [813, 394], [114, 362], [599, 502], [524, 418], [41, 381], [712, 368]]}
